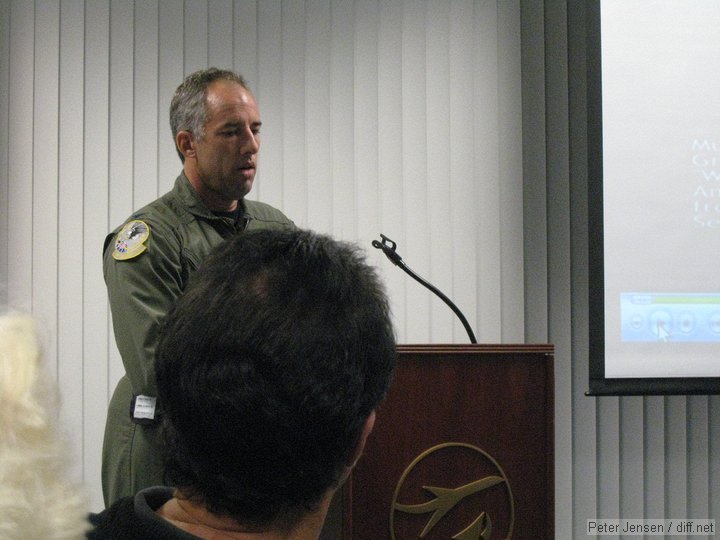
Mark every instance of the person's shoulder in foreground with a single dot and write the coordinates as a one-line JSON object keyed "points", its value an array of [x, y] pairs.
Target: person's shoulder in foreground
{"points": [[269, 369], [135, 518]]}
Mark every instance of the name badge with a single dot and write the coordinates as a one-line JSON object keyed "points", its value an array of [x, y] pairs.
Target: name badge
{"points": [[143, 409]]}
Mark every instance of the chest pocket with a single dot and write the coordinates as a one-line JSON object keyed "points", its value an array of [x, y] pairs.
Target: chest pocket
{"points": [[199, 239]]}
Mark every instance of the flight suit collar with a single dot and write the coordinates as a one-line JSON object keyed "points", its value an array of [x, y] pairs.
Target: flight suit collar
{"points": [[191, 200]]}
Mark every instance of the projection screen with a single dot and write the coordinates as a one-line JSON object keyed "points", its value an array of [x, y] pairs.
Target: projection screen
{"points": [[653, 72]]}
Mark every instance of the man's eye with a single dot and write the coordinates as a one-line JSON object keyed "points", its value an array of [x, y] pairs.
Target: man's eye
{"points": [[238, 133]]}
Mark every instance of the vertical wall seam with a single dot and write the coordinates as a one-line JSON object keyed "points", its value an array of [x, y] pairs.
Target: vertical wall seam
{"points": [[58, 190], [32, 157], [84, 444], [5, 46], [134, 99], [158, 100]]}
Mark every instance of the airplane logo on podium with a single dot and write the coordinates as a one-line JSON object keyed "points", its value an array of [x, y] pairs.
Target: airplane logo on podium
{"points": [[447, 498]]}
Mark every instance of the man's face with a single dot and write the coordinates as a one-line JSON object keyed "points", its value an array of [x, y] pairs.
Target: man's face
{"points": [[226, 157]]}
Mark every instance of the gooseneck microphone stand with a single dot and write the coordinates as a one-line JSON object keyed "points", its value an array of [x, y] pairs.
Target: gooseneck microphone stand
{"points": [[388, 247]]}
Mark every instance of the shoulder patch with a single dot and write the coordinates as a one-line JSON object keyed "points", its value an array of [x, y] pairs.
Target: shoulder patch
{"points": [[130, 241]]}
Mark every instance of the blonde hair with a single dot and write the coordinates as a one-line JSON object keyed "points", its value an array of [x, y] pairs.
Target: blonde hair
{"points": [[36, 498]]}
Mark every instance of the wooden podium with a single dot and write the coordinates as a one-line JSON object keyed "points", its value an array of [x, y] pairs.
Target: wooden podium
{"points": [[462, 448]]}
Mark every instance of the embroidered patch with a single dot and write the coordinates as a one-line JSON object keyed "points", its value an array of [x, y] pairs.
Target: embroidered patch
{"points": [[130, 241]]}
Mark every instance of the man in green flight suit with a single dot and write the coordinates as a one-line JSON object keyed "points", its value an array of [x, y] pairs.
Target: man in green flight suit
{"points": [[147, 261]]}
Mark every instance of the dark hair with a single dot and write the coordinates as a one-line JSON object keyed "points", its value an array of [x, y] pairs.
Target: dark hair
{"points": [[267, 368], [188, 108]]}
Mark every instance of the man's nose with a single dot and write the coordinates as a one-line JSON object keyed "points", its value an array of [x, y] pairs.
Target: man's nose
{"points": [[251, 144]]}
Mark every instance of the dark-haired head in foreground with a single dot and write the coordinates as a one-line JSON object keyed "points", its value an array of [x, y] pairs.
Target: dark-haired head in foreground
{"points": [[269, 369]]}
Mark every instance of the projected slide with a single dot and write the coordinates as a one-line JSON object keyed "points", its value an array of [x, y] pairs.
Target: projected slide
{"points": [[661, 187]]}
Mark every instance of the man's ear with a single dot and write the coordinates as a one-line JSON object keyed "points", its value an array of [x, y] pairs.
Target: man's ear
{"points": [[367, 429], [185, 142]]}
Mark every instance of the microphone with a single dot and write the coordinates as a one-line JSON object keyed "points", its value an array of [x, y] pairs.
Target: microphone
{"points": [[388, 247]]}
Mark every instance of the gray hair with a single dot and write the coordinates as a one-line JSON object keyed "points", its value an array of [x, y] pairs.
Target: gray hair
{"points": [[188, 109]]}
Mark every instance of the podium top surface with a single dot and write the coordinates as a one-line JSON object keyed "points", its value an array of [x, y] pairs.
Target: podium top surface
{"points": [[480, 348]]}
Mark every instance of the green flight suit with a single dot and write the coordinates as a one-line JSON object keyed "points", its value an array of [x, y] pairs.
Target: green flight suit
{"points": [[146, 265]]}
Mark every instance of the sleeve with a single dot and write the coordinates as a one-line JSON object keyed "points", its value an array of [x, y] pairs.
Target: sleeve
{"points": [[140, 291]]}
